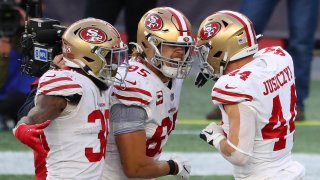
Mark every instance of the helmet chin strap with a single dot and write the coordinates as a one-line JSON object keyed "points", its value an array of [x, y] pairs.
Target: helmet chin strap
{"points": [[139, 48], [70, 63], [223, 65]]}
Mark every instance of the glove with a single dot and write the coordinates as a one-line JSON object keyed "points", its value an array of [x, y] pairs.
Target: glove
{"points": [[213, 135], [201, 79], [30, 135], [184, 167]]}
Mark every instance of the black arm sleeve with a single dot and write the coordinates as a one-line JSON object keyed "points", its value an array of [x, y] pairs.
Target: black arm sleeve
{"points": [[28, 105]]}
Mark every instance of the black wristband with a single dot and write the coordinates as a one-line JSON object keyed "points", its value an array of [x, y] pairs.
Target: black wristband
{"points": [[173, 167]]}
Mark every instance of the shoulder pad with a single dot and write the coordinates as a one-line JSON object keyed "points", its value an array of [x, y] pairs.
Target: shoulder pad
{"points": [[230, 90], [59, 83]]}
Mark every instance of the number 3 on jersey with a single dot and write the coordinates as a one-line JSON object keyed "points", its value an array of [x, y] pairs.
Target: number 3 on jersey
{"points": [[270, 132], [94, 116]]}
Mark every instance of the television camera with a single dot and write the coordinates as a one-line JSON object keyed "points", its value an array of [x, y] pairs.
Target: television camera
{"points": [[41, 41]]}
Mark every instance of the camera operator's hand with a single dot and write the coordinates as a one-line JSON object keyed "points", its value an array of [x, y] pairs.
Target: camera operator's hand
{"points": [[5, 46]]}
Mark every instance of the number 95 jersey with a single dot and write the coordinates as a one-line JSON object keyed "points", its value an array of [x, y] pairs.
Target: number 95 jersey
{"points": [[143, 88], [267, 86]]}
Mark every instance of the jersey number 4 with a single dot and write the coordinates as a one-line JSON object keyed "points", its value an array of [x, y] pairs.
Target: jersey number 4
{"points": [[98, 115], [270, 132]]}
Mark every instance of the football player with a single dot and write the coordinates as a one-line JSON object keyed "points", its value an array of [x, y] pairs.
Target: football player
{"points": [[255, 91], [144, 110], [67, 128]]}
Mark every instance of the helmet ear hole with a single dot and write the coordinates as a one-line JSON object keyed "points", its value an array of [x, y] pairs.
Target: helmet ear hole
{"points": [[217, 54], [240, 34], [88, 59], [76, 31], [225, 23]]}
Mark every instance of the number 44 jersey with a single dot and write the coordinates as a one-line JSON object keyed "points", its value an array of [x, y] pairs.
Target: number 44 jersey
{"points": [[76, 140], [160, 101], [267, 86]]}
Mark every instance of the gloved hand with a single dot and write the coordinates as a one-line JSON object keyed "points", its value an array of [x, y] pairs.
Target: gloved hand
{"points": [[201, 79], [184, 167], [31, 135], [213, 134]]}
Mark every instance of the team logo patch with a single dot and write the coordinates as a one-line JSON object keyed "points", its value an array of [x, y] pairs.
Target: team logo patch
{"points": [[209, 30], [153, 22], [93, 35], [172, 96], [186, 39]]}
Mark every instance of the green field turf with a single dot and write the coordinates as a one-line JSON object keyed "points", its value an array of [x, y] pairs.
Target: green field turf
{"points": [[195, 103]]}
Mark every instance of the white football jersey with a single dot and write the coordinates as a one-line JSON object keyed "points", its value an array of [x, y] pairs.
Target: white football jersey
{"points": [[267, 86], [77, 138], [143, 88]]}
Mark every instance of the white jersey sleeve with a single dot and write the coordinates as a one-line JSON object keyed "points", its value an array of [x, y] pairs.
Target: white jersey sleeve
{"points": [[59, 83], [134, 91], [230, 90]]}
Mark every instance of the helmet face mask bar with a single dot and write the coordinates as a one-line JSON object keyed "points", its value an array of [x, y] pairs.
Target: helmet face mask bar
{"points": [[174, 67], [114, 58], [205, 67]]}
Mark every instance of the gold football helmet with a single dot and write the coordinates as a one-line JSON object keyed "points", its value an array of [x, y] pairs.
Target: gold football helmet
{"points": [[165, 26], [222, 37], [95, 46]]}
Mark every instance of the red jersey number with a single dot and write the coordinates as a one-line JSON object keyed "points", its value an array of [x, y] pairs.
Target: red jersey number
{"points": [[142, 72], [157, 136], [243, 75], [98, 115], [269, 132]]}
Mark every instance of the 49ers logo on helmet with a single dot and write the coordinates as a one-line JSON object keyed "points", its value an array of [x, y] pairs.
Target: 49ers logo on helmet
{"points": [[93, 35], [153, 22], [209, 30]]}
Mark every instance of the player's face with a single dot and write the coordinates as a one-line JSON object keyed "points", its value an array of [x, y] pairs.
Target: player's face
{"points": [[176, 53]]}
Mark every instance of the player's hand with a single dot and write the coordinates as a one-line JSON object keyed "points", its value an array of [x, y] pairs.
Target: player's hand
{"points": [[201, 79], [58, 62], [5, 46], [212, 134], [184, 167], [31, 135]]}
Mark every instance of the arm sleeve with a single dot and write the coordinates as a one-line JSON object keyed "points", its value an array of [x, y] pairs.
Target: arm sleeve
{"points": [[243, 151], [28, 104], [126, 119]]}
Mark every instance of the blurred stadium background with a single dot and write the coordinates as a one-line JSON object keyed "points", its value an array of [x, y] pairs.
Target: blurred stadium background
{"points": [[16, 160]]}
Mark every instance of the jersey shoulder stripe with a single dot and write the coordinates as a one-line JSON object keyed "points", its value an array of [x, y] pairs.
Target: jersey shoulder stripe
{"points": [[130, 100], [60, 88], [60, 83], [132, 89], [42, 84], [137, 88], [225, 94], [233, 94]]}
